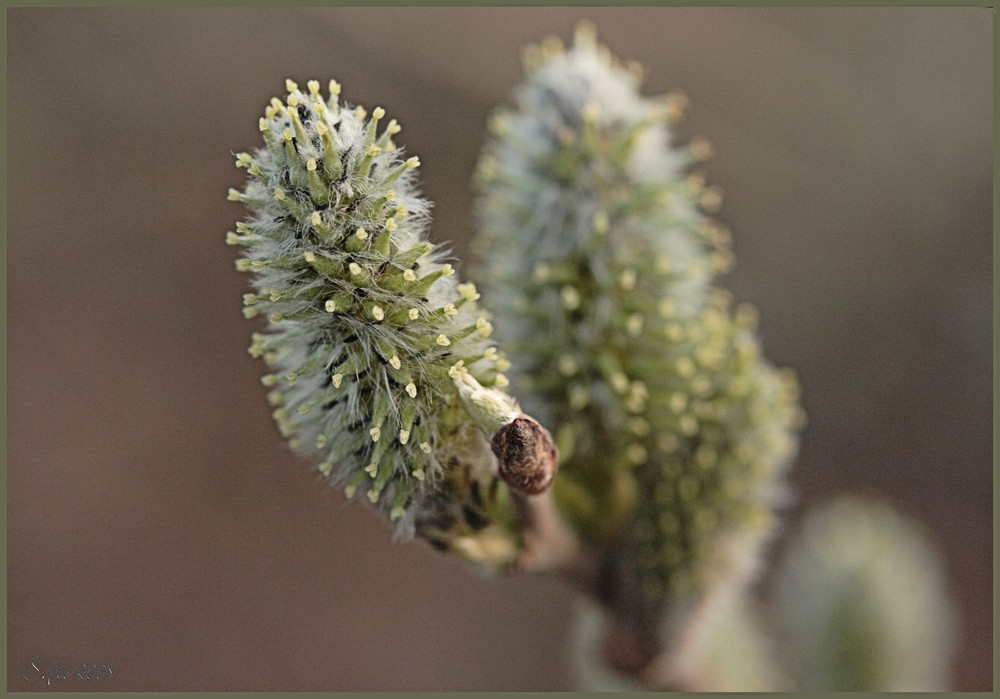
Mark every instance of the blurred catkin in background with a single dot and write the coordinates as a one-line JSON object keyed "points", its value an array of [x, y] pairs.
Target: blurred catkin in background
{"points": [[153, 505]]}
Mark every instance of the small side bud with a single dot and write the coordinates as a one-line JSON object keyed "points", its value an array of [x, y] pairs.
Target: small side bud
{"points": [[528, 456]]}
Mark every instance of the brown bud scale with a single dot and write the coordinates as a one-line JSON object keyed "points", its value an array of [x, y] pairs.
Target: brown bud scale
{"points": [[528, 456]]}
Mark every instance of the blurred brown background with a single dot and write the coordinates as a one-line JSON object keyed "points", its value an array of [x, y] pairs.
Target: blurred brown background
{"points": [[156, 519]]}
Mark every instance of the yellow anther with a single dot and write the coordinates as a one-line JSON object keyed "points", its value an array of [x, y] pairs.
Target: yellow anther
{"points": [[701, 149], [250, 312], [395, 362], [393, 127], [334, 87], [336, 379], [355, 269], [443, 340], [313, 86], [316, 219], [425, 447], [685, 367], [404, 436], [413, 314], [688, 424], [635, 71], [375, 432], [579, 396], [311, 165], [585, 33], [413, 162], [411, 389], [457, 369], [567, 365], [484, 327], [447, 271], [287, 134], [634, 324], [490, 354], [601, 223], [501, 380], [378, 113], [330, 306], [309, 256], [263, 124], [269, 379], [551, 45], [390, 195], [361, 233], [410, 276], [279, 194], [290, 85], [243, 265], [234, 195], [468, 291], [627, 279], [639, 426], [360, 112], [570, 298], [503, 363], [636, 453], [676, 103], [322, 129], [390, 224], [450, 310], [619, 382], [293, 101], [639, 390], [326, 467], [378, 313], [711, 199]]}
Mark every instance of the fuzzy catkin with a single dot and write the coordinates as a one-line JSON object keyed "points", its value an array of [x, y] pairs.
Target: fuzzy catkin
{"points": [[598, 259], [861, 601], [369, 334]]}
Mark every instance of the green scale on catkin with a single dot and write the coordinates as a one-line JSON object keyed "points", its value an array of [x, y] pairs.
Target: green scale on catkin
{"points": [[368, 327], [599, 255]]}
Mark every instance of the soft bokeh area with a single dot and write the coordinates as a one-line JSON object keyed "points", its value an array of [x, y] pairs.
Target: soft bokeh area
{"points": [[156, 519]]}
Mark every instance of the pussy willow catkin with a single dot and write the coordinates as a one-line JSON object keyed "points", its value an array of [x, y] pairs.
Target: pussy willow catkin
{"points": [[381, 361], [598, 257]]}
